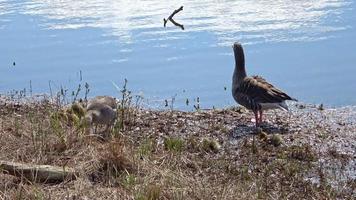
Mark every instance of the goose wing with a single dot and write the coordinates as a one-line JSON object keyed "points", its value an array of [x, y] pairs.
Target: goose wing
{"points": [[259, 90]]}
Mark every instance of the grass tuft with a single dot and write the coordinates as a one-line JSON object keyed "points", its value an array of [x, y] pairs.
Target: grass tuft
{"points": [[115, 158], [174, 144], [210, 145]]}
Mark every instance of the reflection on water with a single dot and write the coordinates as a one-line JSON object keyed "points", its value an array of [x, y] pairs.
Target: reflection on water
{"points": [[255, 21], [112, 40]]}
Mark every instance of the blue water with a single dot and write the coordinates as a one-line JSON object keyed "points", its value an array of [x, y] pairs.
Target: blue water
{"points": [[305, 48]]}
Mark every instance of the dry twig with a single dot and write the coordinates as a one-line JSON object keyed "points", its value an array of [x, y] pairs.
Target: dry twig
{"points": [[170, 18]]}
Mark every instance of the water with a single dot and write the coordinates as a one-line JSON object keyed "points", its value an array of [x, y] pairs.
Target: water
{"points": [[306, 48]]}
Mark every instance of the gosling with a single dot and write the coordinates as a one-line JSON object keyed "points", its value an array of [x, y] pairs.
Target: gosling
{"points": [[101, 111]]}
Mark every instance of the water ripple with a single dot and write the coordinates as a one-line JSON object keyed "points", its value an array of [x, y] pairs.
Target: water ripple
{"points": [[253, 21]]}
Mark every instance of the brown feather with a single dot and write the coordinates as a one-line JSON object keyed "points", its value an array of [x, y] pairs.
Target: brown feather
{"points": [[261, 91]]}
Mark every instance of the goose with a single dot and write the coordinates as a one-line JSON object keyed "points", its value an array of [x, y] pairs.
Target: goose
{"points": [[100, 110], [254, 92]]}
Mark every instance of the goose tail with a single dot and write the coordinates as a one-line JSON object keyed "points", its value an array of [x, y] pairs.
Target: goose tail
{"points": [[283, 106], [293, 99]]}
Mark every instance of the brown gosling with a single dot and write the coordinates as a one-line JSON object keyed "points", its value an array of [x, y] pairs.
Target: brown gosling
{"points": [[100, 111]]}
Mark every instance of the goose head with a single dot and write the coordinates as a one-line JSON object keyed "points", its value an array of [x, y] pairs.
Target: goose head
{"points": [[240, 71]]}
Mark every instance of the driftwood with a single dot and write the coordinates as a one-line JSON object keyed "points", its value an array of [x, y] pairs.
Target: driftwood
{"points": [[170, 18], [38, 173]]}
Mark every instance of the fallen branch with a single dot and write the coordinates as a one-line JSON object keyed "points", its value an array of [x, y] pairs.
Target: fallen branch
{"points": [[170, 18], [38, 173]]}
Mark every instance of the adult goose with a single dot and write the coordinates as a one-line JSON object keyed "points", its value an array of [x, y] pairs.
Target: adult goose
{"points": [[254, 92]]}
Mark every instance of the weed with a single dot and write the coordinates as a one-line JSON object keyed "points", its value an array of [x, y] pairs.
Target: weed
{"points": [[78, 110], [129, 180], [17, 126], [244, 173], [152, 192], [115, 158], [146, 147], [174, 144], [123, 106], [57, 128], [321, 107], [302, 153], [193, 144], [323, 135], [210, 145], [171, 103], [197, 104], [76, 93], [124, 109], [87, 90], [254, 147]]}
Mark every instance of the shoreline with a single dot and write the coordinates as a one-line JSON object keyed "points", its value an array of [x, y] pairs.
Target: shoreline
{"points": [[163, 105], [210, 154]]}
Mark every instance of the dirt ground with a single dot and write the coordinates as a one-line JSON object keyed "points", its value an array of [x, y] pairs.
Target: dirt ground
{"points": [[307, 153]]}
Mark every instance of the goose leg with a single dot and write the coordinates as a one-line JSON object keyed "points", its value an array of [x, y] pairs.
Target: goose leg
{"points": [[256, 118], [106, 131], [261, 113]]}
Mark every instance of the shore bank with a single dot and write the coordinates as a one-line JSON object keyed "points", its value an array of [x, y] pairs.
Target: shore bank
{"points": [[167, 154]]}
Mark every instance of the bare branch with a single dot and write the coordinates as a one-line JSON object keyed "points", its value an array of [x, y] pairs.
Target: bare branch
{"points": [[170, 18], [177, 24]]}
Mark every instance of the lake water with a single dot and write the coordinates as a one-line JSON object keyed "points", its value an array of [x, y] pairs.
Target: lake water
{"points": [[306, 48]]}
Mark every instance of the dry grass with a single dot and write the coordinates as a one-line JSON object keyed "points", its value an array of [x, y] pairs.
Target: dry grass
{"points": [[182, 155]]}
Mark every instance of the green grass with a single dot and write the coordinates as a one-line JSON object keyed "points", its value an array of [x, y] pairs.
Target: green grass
{"points": [[174, 144]]}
